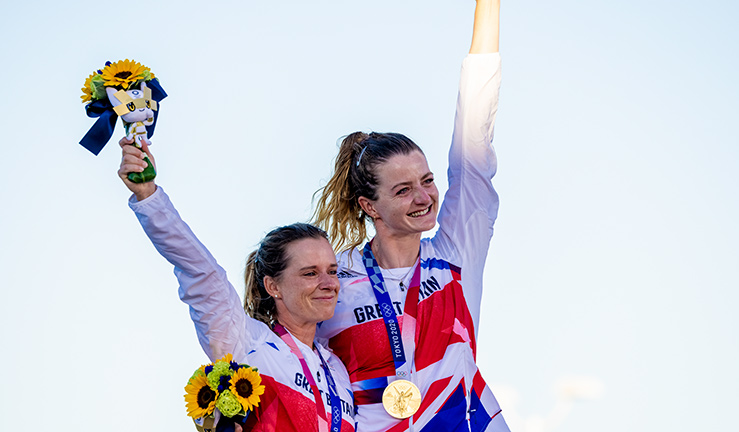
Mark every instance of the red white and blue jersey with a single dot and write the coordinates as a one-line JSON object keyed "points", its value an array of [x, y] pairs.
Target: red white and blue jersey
{"points": [[222, 326], [455, 396]]}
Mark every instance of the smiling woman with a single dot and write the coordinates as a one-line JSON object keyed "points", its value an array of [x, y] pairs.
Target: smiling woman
{"points": [[291, 285], [409, 308], [291, 279]]}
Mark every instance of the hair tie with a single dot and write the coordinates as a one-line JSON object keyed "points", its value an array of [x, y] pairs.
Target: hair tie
{"points": [[360, 155], [256, 254]]}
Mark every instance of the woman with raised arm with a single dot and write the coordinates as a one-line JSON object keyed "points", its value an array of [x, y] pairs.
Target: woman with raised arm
{"points": [[291, 285], [409, 308]]}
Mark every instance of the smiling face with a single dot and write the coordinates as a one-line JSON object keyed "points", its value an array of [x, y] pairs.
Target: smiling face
{"points": [[306, 291], [407, 198]]}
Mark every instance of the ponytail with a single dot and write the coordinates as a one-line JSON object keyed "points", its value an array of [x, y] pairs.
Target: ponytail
{"points": [[337, 209], [258, 304]]}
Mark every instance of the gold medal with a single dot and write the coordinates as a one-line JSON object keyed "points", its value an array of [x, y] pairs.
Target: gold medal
{"points": [[401, 399]]}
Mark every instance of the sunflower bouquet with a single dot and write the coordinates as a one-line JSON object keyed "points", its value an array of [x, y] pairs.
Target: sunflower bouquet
{"points": [[125, 89], [224, 387], [123, 74]]}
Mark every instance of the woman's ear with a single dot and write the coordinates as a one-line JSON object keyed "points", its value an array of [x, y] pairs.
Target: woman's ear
{"points": [[270, 285], [367, 205]]}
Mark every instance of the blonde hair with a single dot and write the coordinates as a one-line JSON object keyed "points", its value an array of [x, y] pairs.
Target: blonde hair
{"points": [[337, 210]]}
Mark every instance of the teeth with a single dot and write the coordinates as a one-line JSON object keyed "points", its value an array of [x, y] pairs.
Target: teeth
{"points": [[421, 212]]}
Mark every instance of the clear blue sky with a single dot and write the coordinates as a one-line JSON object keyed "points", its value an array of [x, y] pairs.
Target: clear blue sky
{"points": [[615, 254]]}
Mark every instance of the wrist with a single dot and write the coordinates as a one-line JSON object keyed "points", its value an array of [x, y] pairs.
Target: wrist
{"points": [[146, 191]]}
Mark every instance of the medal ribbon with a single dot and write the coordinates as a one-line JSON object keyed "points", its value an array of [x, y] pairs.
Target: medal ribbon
{"points": [[333, 396], [399, 339], [333, 393]]}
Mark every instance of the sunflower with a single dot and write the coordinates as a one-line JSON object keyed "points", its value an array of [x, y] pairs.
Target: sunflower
{"points": [[199, 397], [228, 358], [123, 73], [246, 385], [87, 89]]}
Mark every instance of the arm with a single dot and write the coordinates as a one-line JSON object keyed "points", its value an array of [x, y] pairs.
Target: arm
{"points": [[470, 204], [486, 30], [215, 307]]}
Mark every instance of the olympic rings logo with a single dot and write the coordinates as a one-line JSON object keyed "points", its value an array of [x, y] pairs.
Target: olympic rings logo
{"points": [[387, 310]]}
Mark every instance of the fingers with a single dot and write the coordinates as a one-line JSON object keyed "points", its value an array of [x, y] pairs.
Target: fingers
{"points": [[133, 156], [129, 148], [237, 428], [132, 150], [145, 148], [132, 160], [132, 163], [125, 141], [125, 169]]}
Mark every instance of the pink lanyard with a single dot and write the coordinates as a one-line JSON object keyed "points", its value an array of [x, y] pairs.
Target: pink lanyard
{"points": [[320, 409]]}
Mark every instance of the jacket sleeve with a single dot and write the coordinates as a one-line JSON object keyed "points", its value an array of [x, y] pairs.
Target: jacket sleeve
{"points": [[215, 307], [470, 205]]}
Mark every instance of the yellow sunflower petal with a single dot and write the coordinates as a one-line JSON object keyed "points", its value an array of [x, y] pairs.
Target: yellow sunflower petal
{"points": [[86, 89], [246, 385], [227, 358], [111, 73], [200, 399]]}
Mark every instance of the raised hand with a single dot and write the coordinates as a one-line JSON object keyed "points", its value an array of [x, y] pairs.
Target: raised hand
{"points": [[486, 32], [133, 161]]}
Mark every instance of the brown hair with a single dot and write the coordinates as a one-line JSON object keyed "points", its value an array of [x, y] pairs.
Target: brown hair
{"points": [[270, 259], [355, 175]]}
